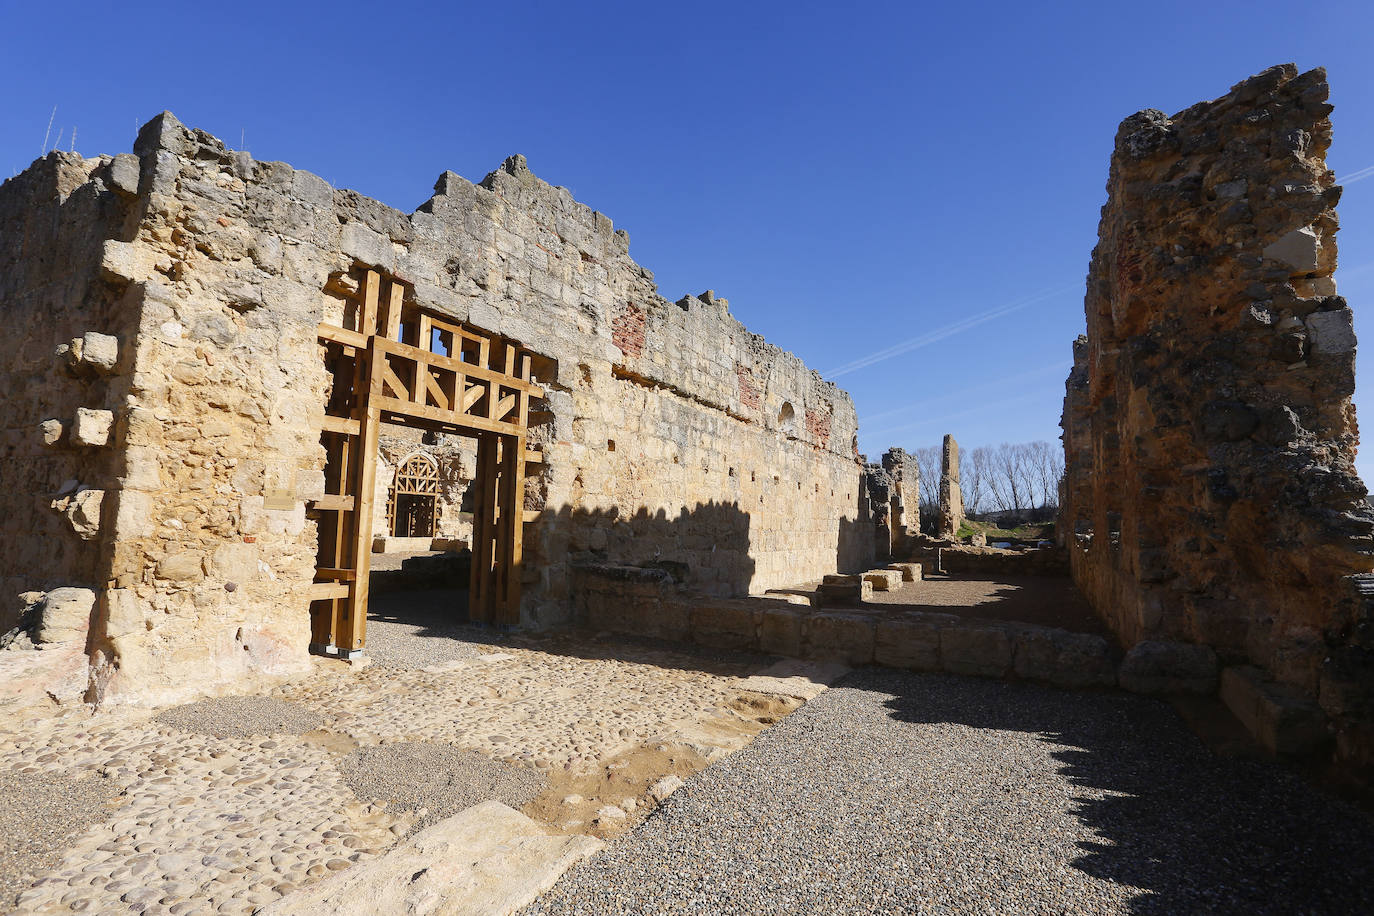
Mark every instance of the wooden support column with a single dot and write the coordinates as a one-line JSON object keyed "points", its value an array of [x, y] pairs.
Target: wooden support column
{"points": [[353, 628], [481, 591]]}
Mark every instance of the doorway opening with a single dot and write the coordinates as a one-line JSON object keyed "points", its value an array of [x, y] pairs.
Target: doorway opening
{"points": [[404, 365]]}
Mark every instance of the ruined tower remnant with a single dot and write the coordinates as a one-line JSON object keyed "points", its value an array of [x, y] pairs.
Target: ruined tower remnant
{"points": [[951, 497], [1209, 434]]}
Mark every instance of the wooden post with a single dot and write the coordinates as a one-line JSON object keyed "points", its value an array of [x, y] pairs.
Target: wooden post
{"points": [[354, 627], [481, 593]]}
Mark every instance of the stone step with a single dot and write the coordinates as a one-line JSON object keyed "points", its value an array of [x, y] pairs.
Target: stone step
{"points": [[862, 590], [884, 580], [911, 572], [1278, 716], [488, 859]]}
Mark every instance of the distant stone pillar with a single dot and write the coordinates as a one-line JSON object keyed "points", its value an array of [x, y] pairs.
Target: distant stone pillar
{"points": [[951, 497]]}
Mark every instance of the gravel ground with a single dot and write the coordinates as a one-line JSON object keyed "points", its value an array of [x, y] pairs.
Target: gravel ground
{"points": [[242, 717], [39, 814], [416, 629], [907, 793], [436, 777]]}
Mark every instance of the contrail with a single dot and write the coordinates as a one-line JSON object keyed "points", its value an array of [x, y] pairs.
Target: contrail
{"points": [[1059, 365], [1357, 175], [930, 421], [948, 330]]}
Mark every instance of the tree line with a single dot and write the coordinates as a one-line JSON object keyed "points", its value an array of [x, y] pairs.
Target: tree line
{"points": [[1016, 478]]}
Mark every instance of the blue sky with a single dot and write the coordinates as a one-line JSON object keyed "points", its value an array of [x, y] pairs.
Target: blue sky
{"points": [[856, 178]]}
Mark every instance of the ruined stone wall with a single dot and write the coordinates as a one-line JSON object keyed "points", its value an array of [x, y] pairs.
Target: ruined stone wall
{"points": [[1209, 435], [54, 219], [673, 436]]}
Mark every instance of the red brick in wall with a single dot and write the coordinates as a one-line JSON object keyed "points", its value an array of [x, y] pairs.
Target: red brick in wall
{"points": [[627, 329], [818, 426]]}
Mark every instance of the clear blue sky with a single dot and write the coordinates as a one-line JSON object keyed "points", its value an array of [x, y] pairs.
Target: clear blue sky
{"points": [[854, 177]]}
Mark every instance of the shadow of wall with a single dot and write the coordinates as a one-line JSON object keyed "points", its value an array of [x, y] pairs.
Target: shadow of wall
{"points": [[1194, 831]]}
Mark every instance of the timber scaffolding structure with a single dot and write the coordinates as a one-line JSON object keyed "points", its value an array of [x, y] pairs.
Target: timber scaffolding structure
{"points": [[387, 368]]}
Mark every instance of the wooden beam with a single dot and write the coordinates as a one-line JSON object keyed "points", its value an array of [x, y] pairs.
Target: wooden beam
{"points": [[343, 575], [534, 456], [434, 390], [342, 336], [439, 361], [410, 408], [355, 625], [471, 396], [344, 426], [333, 502], [505, 406], [390, 324], [326, 591], [512, 535], [367, 303], [398, 387]]}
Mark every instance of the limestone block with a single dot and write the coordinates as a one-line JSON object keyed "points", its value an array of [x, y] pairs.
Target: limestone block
{"points": [[127, 262], [310, 485], [908, 643], [883, 580], [1332, 332], [848, 637], [142, 467], [723, 625], [134, 514], [369, 247], [780, 632], [1158, 667], [237, 563], [64, 615], [1280, 717], [100, 352], [982, 651], [50, 431], [123, 176], [82, 510], [1063, 658], [911, 572], [124, 613], [487, 859], [185, 566], [92, 426], [1299, 249]]}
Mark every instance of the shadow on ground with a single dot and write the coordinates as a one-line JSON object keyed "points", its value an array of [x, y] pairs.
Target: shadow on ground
{"points": [[1199, 833], [407, 628]]}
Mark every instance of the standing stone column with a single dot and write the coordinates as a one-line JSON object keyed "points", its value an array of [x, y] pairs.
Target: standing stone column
{"points": [[951, 497]]}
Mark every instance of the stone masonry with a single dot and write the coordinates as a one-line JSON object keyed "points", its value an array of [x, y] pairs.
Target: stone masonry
{"points": [[951, 497], [1210, 498], [165, 392]]}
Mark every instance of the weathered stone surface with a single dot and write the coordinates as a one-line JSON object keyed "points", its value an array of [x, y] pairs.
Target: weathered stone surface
{"points": [[64, 615], [976, 650], [883, 580], [1063, 658], [91, 426], [911, 572], [847, 637], [908, 643], [780, 631], [51, 431], [100, 352], [1157, 666], [723, 624], [82, 509], [1281, 718], [1210, 493], [486, 861], [951, 496]]}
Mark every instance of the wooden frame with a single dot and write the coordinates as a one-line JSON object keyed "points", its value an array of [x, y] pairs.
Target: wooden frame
{"points": [[385, 370]]}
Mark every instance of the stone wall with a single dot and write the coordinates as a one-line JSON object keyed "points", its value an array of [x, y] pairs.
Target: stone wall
{"points": [[673, 436], [1210, 494], [63, 367]]}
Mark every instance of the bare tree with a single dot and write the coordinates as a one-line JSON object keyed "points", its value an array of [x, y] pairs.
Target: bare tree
{"points": [[928, 464], [973, 478]]}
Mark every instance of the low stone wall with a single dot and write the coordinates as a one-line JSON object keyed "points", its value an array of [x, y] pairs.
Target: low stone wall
{"points": [[640, 601]]}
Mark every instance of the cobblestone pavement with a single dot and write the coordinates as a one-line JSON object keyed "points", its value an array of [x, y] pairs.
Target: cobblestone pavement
{"points": [[203, 824], [904, 793]]}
